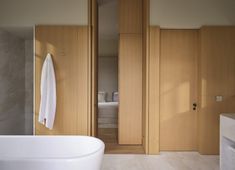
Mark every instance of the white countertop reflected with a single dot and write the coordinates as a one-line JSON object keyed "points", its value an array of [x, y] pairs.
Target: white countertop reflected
{"points": [[227, 141], [229, 115], [108, 104]]}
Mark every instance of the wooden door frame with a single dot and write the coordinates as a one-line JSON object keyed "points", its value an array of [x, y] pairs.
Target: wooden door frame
{"points": [[150, 132], [145, 126], [93, 55], [151, 83]]}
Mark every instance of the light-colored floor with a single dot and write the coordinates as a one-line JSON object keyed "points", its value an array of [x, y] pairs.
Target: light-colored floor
{"points": [[164, 161]]}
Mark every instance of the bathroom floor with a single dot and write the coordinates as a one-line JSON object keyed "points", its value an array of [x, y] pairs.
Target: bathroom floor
{"points": [[108, 135], [165, 161]]}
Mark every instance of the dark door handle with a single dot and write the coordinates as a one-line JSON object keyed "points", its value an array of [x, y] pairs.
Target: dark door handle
{"points": [[194, 106]]}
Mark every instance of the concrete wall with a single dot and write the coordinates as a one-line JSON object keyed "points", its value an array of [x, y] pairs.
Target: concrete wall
{"points": [[191, 13], [16, 87], [12, 86], [29, 87]]}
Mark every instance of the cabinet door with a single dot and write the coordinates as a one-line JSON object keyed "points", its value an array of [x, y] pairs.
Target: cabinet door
{"points": [[69, 48], [130, 89], [130, 16]]}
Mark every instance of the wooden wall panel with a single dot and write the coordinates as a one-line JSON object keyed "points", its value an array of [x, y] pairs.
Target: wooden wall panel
{"points": [[130, 89], [153, 91], [178, 90], [216, 77], [69, 48], [130, 16]]}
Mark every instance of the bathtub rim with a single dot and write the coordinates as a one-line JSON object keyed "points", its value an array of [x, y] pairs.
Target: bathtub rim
{"points": [[66, 158]]}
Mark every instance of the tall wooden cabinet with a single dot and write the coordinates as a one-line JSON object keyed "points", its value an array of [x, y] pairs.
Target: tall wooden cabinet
{"points": [[130, 87], [130, 72]]}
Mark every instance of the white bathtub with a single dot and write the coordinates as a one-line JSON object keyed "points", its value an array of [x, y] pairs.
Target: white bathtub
{"points": [[50, 153]]}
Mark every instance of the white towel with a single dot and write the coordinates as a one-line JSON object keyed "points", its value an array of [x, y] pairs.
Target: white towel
{"points": [[48, 94]]}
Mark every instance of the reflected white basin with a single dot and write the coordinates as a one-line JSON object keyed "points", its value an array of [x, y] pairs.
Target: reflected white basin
{"points": [[227, 141]]}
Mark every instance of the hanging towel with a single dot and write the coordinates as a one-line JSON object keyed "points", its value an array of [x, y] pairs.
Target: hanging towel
{"points": [[48, 94]]}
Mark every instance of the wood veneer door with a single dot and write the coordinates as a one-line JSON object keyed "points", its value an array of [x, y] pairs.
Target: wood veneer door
{"points": [[130, 89], [69, 48], [178, 90]]}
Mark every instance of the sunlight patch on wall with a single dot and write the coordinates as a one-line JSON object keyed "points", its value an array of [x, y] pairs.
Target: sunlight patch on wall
{"points": [[178, 100]]}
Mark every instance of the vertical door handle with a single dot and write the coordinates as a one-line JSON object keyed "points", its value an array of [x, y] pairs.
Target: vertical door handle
{"points": [[194, 106]]}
